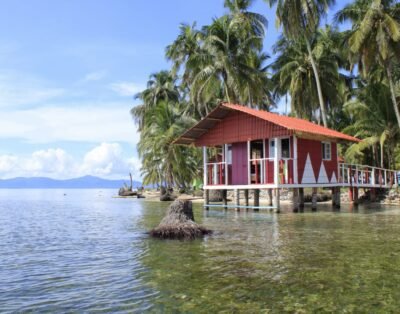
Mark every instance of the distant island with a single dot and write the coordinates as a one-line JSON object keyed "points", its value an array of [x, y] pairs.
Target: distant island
{"points": [[86, 182]]}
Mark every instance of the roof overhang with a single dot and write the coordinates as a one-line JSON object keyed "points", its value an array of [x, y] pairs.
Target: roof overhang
{"points": [[203, 126], [222, 110]]}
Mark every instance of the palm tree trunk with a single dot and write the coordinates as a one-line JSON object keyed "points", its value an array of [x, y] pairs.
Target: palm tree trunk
{"points": [[318, 83], [393, 94]]}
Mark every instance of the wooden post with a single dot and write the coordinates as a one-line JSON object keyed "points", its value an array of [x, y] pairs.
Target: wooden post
{"points": [[295, 200], [224, 197], [270, 201], [333, 195], [256, 199], [206, 198], [351, 194], [205, 175], [355, 195], [276, 200], [314, 199], [372, 195], [337, 197], [301, 198], [237, 198], [246, 197]]}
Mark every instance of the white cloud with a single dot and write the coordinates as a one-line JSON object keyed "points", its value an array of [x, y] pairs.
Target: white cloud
{"points": [[95, 76], [51, 162], [126, 88], [109, 122], [106, 160]]}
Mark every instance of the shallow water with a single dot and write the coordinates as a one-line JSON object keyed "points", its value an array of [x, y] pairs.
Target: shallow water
{"points": [[88, 252]]}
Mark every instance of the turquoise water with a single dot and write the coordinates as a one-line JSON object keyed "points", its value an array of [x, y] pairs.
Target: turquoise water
{"points": [[88, 252]]}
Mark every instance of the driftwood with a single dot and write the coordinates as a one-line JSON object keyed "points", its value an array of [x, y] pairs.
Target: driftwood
{"points": [[179, 223]]}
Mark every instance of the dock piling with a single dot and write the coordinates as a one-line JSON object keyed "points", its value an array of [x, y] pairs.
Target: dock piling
{"points": [[314, 199]]}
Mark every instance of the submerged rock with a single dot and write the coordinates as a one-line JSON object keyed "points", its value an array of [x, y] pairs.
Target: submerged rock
{"points": [[179, 223]]}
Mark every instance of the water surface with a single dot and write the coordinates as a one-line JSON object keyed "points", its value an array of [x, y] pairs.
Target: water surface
{"points": [[84, 251]]}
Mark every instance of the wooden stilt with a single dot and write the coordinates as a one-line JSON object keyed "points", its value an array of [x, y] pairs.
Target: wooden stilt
{"points": [[276, 200], [301, 198], [355, 196], [206, 198], [333, 196], [314, 199], [351, 198], [246, 197], [256, 198], [270, 201], [224, 197], [337, 197], [372, 195], [295, 200], [237, 199]]}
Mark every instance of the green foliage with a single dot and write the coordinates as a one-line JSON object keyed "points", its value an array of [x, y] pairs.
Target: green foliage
{"points": [[373, 120], [346, 80]]}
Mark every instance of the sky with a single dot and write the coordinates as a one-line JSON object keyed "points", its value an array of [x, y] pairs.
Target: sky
{"points": [[68, 73]]}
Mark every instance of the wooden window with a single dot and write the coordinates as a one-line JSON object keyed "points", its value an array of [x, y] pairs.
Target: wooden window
{"points": [[326, 151]]}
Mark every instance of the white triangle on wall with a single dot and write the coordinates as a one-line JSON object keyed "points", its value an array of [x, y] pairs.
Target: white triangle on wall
{"points": [[322, 177], [333, 179], [308, 174]]}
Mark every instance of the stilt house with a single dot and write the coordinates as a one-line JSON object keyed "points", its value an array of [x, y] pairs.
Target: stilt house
{"points": [[245, 148]]}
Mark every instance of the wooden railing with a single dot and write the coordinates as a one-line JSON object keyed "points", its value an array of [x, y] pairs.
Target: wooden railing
{"points": [[262, 171], [361, 175], [216, 173]]}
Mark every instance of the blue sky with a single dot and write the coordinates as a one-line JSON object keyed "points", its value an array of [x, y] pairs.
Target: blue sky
{"points": [[68, 73]]}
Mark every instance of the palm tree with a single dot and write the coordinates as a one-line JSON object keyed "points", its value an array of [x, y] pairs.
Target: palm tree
{"points": [[163, 162], [294, 74], [246, 22], [160, 86], [223, 61], [300, 20], [375, 37], [374, 121], [228, 65]]}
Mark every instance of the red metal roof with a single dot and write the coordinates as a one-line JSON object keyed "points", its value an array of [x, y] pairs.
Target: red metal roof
{"points": [[294, 124], [300, 127]]}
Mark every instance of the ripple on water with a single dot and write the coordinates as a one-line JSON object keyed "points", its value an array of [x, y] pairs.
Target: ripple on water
{"points": [[86, 252]]}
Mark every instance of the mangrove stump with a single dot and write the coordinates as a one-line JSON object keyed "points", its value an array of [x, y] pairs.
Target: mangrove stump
{"points": [[179, 223]]}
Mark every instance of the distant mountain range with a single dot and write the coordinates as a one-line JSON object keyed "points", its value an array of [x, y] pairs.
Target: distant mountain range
{"points": [[87, 182]]}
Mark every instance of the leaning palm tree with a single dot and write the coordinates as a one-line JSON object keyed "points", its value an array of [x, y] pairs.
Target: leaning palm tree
{"points": [[300, 20], [375, 38]]}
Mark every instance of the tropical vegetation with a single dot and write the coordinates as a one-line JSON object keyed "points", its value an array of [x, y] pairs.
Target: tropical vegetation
{"points": [[345, 76]]}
